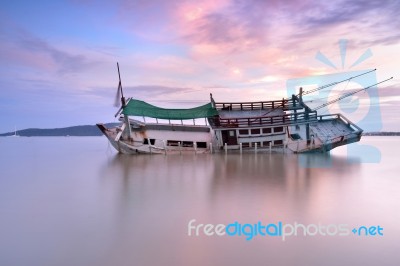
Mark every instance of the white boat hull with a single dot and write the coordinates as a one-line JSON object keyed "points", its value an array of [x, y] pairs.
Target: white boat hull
{"points": [[180, 139]]}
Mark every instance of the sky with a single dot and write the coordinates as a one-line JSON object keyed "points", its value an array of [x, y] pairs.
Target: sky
{"points": [[58, 58]]}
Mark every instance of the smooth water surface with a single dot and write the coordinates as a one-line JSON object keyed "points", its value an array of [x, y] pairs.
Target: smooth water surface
{"points": [[75, 201]]}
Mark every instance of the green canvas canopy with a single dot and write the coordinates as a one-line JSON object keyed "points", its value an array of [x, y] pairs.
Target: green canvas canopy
{"points": [[141, 108]]}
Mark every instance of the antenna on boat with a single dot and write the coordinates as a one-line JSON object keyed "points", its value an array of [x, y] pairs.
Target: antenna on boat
{"points": [[302, 93], [349, 94], [120, 93]]}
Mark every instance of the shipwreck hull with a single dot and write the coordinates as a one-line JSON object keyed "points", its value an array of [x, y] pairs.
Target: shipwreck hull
{"points": [[284, 126], [161, 139]]}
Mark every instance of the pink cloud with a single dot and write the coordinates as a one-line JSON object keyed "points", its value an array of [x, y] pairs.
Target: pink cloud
{"points": [[241, 41]]}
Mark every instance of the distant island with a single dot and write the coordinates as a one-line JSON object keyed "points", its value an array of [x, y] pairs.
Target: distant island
{"points": [[92, 130], [80, 131], [384, 133]]}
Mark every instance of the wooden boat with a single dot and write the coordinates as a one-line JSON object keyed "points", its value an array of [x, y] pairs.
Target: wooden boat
{"points": [[287, 125]]}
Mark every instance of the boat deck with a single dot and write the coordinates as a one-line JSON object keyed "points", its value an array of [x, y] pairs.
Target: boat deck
{"points": [[330, 129]]}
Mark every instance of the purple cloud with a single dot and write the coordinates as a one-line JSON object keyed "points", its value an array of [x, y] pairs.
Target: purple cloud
{"points": [[23, 47]]}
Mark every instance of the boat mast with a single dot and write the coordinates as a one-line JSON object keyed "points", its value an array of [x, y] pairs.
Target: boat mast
{"points": [[120, 92]]}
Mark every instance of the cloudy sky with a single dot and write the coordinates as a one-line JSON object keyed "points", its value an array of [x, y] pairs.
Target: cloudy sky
{"points": [[58, 58]]}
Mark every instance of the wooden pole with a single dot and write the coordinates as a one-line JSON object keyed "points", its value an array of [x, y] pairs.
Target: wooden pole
{"points": [[148, 142]]}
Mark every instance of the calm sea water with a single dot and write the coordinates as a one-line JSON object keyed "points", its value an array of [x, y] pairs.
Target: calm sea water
{"points": [[74, 201]]}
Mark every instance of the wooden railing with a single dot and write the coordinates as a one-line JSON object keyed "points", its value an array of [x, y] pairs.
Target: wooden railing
{"points": [[282, 104], [287, 119], [341, 117]]}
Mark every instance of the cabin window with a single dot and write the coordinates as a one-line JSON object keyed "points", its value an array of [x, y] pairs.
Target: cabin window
{"points": [[266, 143], [231, 133], [243, 131], [172, 143], [201, 144], [295, 136], [267, 130], [278, 129], [187, 144], [278, 142], [255, 131], [146, 141], [245, 145]]}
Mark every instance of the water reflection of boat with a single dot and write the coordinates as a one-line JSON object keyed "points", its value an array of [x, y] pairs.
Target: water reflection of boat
{"points": [[287, 125], [232, 174]]}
